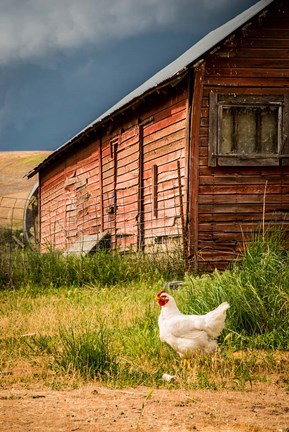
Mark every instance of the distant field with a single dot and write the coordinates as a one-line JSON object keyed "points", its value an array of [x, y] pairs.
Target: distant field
{"points": [[14, 186]]}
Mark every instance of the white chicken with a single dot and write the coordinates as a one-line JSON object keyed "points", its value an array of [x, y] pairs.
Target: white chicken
{"points": [[187, 334]]}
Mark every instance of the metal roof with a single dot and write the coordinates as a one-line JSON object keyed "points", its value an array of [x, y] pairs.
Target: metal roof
{"points": [[174, 69]]}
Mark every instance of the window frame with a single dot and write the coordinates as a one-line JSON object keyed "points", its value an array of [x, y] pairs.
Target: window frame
{"points": [[219, 101]]}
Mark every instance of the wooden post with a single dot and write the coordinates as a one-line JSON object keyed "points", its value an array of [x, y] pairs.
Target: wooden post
{"points": [[39, 221], [155, 190], [114, 150], [190, 90], [140, 217], [194, 164], [101, 183], [140, 220], [183, 222]]}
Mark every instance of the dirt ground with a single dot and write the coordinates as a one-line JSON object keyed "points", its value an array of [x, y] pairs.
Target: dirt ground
{"points": [[98, 409]]}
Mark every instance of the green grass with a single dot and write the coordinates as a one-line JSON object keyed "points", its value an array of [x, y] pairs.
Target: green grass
{"points": [[21, 268], [258, 292], [71, 320]]}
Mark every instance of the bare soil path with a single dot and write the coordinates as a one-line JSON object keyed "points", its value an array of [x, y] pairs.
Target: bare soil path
{"points": [[98, 409]]}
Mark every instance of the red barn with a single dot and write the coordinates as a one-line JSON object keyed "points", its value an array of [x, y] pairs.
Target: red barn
{"points": [[198, 154]]}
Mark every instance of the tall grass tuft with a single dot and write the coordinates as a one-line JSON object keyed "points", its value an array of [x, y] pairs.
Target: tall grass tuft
{"points": [[104, 268], [87, 353], [257, 290]]}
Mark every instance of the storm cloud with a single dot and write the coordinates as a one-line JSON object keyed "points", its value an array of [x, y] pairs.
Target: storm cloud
{"points": [[36, 28], [65, 62]]}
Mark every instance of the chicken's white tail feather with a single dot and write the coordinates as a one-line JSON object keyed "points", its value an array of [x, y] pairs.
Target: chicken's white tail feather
{"points": [[215, 320]]}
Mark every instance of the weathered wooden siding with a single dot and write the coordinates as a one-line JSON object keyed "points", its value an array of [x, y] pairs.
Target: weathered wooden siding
{"points": [[164, 142], [127, 189], [120, 171], [124, 183], [232, 199], [70, 198], [140, 178]]}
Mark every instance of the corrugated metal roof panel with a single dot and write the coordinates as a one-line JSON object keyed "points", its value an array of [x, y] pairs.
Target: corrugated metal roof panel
{"points": [[193, 54]]}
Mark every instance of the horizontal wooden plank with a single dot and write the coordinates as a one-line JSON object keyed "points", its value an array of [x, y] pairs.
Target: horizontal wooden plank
{"points": [[255, 52], [159, 222], [167, 212], [204, 122], [169, 128], [128, 136], [167, 165], [245, 189], [160, 145], [246, 82], [243, 199], [243, 208], [217, 255], [240, 180], [224, 237], [229, 226], [247, 90], [203, 152], [174, 151], [267, 33], [126, 222], [257, 42], [127, 139], [280, 22], [131, 176], [132, 166], [174, 111], [263, 172], [238, 62], [107, 167], [130, 153], [126, 208], [163, 232], [126, 225], [204, 132], [247, 72], [240, 218], [169, 176]]}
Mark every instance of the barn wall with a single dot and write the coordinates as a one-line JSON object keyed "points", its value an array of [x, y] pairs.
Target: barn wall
{"points": [[164, 143], [232, 199], [70, 198], [124, 182], [140, 157], [120, 186]]}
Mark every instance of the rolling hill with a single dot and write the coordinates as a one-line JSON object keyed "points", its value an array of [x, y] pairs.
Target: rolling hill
{"points": [[14, 186]]}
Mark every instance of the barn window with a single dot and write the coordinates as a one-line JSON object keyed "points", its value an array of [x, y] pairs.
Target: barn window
{"points": [[247, 130]]}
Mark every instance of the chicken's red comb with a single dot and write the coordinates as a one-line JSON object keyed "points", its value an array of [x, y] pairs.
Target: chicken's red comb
{"points": [[160, 293]]}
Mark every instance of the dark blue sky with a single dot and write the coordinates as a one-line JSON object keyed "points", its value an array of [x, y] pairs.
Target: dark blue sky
{"points": [[64, 63]]}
